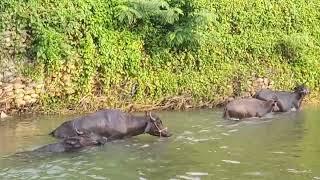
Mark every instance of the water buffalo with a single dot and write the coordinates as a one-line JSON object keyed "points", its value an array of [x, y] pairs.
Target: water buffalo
{"points": [[287, 101], [249, 107], [71, 144], [112, 124]]}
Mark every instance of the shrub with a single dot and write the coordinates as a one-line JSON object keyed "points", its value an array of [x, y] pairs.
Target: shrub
{"points": [[140, 51]]}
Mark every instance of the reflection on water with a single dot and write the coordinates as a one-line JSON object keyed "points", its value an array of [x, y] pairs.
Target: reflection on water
{"points": [[204, 146]]}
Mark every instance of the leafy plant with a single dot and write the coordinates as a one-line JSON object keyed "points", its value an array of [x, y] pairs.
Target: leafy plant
{"points": [[140, 51]]}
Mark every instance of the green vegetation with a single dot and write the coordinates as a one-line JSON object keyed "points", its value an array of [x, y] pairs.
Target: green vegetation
{"points": [[141, 51]]}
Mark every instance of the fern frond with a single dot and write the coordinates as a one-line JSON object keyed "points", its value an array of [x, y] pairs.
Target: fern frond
{"points": [[127, 14]]}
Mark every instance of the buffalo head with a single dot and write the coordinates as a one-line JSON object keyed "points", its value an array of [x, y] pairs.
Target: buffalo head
{"points": [[86, 139], [302, 90], [274, 103], [155, 127]]}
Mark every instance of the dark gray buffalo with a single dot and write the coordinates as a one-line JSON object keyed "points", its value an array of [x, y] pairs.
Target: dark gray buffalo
{"points": [[71, 144], [112, 124], [248, 108], [287, 101]]}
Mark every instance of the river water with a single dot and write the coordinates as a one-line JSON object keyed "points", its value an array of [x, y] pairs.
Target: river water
{"points": [[203, 146]]}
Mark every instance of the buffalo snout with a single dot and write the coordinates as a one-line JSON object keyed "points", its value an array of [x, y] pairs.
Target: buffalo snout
{"points": [[165, 133], [275, 107], [159, 130], [306, 91]]}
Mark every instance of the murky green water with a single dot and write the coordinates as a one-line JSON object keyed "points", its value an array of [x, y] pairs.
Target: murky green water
{"points": [[204, 146]]}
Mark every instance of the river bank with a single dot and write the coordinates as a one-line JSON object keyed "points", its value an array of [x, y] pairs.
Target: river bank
{"points": [[24, 96], [84, 55]]}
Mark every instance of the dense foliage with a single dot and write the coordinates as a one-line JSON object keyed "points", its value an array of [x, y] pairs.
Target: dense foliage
{"points": [[140, 51]]}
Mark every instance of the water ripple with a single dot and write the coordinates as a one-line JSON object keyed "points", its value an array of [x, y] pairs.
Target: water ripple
{"points": [[298, 172], [97, 177], [257, 173], [188, 177], [197, 173], [203, 131], [231, 161]]}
